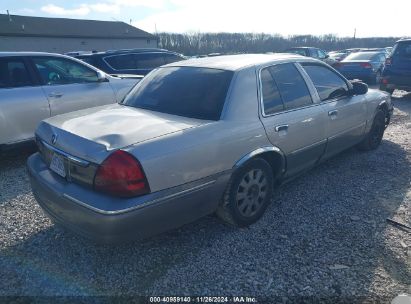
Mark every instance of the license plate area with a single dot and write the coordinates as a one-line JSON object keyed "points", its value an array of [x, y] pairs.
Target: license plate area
{"points": [[57, 165]]}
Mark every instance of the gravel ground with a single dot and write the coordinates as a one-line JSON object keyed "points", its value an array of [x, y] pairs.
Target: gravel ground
{"points": [[325, 236]]}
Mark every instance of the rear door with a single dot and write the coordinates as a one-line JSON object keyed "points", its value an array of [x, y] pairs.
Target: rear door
{"points": [[22, 101], [70, 85], [400, 65], [346, 113], [291, 120]]}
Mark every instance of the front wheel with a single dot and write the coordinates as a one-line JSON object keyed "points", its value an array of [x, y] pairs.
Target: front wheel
{"points": [[374, 136], [248, 194]]}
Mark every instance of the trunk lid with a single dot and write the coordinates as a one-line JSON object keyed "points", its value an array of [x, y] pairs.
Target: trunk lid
{"points": [[91, 133]]}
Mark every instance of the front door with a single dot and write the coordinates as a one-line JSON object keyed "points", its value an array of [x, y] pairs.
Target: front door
{"points": [[71, 86], [291, 120], [346, 113]]}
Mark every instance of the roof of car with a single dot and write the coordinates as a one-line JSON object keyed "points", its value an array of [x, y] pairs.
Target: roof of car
{"points": [[238, 62], [9, 54], [302, 47], [404, 40], [123, 51]]}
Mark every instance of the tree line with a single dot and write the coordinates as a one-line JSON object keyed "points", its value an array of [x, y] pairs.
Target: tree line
{"points": [[230, 43]]}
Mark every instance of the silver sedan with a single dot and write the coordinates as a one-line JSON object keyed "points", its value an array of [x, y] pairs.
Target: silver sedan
{"points": [[35, 86], [196, 137]]}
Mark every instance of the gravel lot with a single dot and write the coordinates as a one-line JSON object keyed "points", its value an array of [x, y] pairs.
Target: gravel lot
{"points": [[325, 236]]}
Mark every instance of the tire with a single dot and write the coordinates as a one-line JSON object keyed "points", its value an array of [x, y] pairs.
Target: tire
{"points": [[248, 193], [374, 136]]}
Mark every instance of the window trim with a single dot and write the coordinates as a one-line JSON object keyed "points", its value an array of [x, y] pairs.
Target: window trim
{"points": [[260, 91]]}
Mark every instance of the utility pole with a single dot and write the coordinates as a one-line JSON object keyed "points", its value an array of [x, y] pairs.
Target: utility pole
{"points": [[355, 32]]}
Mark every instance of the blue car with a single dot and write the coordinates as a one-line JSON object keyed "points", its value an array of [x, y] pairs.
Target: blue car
{"points": [[397, 70], [364, 65]]}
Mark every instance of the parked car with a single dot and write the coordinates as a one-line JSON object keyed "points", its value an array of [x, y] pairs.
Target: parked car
{"points": [[364, 65], [35, 86], [337, 56], [130, 61], [196, 137], [312, 52], [397, 70]]}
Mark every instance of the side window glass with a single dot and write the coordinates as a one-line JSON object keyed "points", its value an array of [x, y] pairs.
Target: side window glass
{"points": [[272, 101], [329, 84], [150, 61], [63, 71], [314, 53], [170, 58], [122, 62], [13, 73], [321, 54], [292, 86]]}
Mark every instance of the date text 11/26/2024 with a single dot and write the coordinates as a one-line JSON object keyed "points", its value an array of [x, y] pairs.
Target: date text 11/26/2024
{"points": [[205, 299]]}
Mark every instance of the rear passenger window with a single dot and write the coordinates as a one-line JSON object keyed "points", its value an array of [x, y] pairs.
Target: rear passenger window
{"points": [[329, 84], [122, 62], [271, 96], [13, 73], [292, 86], [170, 58], [149, 61]]}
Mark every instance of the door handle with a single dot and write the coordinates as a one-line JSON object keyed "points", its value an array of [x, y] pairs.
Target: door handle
{"points": [[333, 113], [281, 128], [55, 95]]}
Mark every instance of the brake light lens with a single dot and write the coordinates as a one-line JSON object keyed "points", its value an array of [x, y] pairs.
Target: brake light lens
{"points": [[366, 65], [121, 175]]}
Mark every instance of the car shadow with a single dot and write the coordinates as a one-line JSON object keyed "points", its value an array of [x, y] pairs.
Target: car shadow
{"points": [[342, 215]]}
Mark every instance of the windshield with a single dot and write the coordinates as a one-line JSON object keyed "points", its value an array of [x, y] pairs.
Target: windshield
{"points": [[361, 56], [185, 91]]}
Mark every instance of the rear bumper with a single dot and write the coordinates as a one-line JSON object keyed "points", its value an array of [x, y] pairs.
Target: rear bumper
{"points": [[397, 82], [107, 219]]}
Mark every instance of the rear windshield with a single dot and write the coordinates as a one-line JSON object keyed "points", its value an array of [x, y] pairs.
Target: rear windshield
{"points": [[361, 56], [403, 50], [185, 91]]}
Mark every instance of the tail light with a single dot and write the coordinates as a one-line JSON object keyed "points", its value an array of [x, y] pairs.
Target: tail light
{"points": [[366, 65], [121, 175], [384, 81], [388, 61]]}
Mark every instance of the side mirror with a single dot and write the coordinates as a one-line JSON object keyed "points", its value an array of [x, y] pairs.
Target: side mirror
{"points": [[101, 77], [359, 88]]}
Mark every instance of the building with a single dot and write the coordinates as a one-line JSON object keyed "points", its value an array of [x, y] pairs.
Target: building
{"points": [[61, 35]]}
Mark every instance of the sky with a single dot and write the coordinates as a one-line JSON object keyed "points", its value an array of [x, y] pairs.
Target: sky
{"points": [[370, 18]]}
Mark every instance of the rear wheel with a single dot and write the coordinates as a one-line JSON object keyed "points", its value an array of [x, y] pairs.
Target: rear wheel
{"points": [[374, 136], [248, 194]]}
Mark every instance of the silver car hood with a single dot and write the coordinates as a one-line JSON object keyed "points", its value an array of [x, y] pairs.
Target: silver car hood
{"points": [[109, 127]]}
